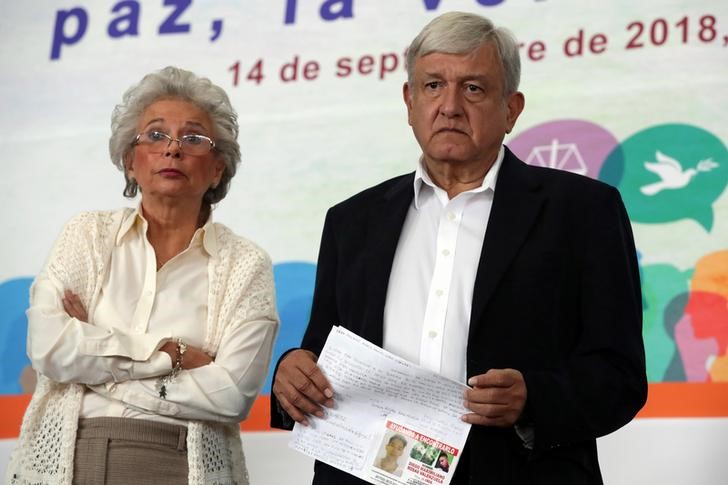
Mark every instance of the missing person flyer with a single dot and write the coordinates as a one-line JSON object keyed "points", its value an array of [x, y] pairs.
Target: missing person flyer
{"points": [[412, 458], [393, 422]]}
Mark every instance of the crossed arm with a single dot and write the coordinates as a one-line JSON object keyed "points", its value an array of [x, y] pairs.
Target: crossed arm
{"points": [[65, 347]]}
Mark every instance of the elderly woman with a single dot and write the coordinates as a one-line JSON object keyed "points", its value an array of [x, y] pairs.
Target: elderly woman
{"points": [[151, 328]]}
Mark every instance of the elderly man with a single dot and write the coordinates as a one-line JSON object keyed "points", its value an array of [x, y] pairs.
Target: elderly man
{"points": [[521, 281]]}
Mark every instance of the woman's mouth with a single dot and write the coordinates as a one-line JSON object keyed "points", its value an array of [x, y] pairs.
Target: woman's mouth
{"points": [[170, 172]]}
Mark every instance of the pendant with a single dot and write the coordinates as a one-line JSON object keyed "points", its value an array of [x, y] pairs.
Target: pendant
{"points": [[161, 386]]}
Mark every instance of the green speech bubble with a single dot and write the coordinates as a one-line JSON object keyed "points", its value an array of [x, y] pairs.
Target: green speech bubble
{"points": [[669, 172]]}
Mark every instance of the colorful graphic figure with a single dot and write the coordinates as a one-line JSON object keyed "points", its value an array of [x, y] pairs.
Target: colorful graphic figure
{"points": [[674, 313], [669, 172], [706, 314], [695, 352], [16, 376], [572, 145], [661, 284]]}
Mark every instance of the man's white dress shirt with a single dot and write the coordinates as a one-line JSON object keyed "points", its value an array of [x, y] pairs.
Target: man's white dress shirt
{"points": [[430, 292]]}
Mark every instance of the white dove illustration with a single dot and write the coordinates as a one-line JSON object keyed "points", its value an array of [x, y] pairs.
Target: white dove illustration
{"points": [[672, 174]]}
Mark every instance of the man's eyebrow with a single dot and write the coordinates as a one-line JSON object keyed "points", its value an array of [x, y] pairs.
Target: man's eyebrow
{"points": [[467, 77], [432, 74]]}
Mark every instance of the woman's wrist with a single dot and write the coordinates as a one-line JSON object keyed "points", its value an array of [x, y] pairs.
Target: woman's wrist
{"points": [[180, 348]]}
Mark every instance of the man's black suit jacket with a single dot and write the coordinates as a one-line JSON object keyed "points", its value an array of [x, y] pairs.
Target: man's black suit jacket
{"points": [[556, 296]]}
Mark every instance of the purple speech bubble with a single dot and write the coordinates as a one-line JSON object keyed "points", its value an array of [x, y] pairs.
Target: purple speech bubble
{"points": [[573, 145]]}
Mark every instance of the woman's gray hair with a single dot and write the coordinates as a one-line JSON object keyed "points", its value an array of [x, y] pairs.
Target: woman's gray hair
{"points": [[172, 82], [462, 33]]}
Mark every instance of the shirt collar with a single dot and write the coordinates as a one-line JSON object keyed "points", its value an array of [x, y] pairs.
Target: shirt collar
{"points": [[209, 237], [205, 235], [489, 181]]}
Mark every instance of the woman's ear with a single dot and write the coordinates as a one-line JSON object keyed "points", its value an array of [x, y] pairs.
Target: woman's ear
{"points": [[129, 165]]}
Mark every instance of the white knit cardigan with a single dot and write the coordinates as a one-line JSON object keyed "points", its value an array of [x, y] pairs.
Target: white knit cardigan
{"points": [[240, 289]]}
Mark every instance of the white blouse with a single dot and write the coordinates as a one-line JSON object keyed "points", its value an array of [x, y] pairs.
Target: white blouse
{"points": [[139, 309]]}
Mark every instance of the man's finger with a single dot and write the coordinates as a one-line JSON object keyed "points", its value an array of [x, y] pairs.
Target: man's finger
{"points": [[488, 410], [494, 378], [477, 419], [302, 404], [496, 399], [291, 410], [322, 384], [299, 369], [487, 395], [301, 387]]}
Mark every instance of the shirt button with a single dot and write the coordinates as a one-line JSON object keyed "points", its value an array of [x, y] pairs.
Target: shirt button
{"points": [[451, 216], [446, 252], [439, 292], [432, 334]]}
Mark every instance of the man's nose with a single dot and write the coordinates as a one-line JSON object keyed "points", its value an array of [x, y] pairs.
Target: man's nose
{"points": [[452, 103]]}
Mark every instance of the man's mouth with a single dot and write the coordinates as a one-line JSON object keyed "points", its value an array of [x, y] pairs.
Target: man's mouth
{"points": [[450, 130]]}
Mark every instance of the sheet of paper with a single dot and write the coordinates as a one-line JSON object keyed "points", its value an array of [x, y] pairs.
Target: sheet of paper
{"points": [[394, 422]]}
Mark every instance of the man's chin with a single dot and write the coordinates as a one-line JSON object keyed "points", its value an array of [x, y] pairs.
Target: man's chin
{"points": [[449, 154]]}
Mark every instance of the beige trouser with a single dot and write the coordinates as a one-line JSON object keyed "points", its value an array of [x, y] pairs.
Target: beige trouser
{"points": [[127, 451]]}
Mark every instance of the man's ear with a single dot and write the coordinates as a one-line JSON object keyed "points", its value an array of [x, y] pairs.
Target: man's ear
{"points": [[407, 96], [515, 104]]}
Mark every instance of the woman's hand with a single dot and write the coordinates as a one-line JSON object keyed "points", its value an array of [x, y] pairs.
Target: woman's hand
{"points": [[73, 306], [193, 357]]}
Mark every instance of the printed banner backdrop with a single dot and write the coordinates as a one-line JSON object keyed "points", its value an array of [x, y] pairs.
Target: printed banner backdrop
{"points": [[631, 93]]}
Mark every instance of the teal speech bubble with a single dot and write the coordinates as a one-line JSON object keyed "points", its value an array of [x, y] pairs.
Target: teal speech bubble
{"points": [[669, 172]]}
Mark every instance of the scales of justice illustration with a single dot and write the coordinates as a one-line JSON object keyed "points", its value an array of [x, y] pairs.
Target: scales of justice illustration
{"points": [[564, 156]]}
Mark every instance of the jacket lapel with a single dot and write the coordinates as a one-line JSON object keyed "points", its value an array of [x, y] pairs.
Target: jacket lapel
{"points": [[516, 204], [385, 225]]}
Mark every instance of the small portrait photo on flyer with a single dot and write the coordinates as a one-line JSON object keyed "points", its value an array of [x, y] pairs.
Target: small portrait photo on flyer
{"points": [[389, 459]]}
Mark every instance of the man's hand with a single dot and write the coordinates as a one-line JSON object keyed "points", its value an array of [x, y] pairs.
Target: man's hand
{"points": [[496, 399], [301, 387]]}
